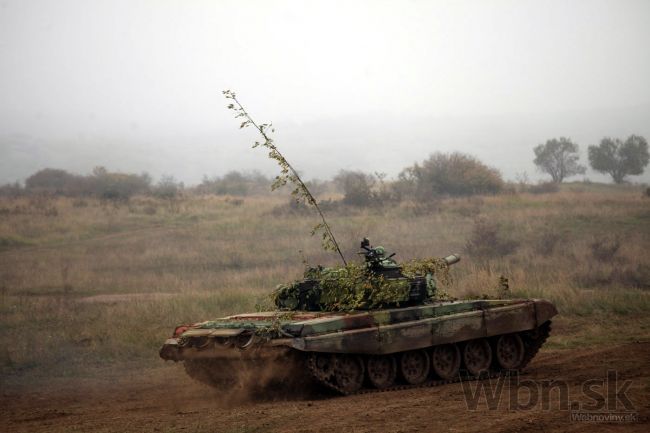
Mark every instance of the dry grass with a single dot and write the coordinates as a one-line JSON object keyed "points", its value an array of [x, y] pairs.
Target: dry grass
{"points": [[61, 272]]}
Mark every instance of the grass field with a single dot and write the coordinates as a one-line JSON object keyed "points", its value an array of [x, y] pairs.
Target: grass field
{"points": [[87, 286]]}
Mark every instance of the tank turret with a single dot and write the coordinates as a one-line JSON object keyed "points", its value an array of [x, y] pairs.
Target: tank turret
{"points": [[379, 282]]}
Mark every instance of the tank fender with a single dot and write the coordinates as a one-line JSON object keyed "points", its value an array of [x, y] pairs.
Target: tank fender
{"points": [[485, 321], [510, 318], [544, 310], [219, 332]]}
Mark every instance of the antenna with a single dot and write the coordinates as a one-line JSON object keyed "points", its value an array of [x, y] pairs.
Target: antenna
{"points": [[287, 172]]}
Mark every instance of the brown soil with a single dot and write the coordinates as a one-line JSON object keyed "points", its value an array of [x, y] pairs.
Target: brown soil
{"points": [[165, 400]]}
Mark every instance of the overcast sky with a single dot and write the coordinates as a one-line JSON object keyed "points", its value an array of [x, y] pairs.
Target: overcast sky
{"points": [[378, 85]]}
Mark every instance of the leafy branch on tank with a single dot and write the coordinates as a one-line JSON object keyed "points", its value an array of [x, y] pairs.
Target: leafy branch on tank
{"points": [[288, 175], [433, 265], [379, 283], [274, 329]]}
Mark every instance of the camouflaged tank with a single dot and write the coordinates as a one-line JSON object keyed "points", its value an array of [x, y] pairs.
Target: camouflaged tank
{"points": [[378, 325]]}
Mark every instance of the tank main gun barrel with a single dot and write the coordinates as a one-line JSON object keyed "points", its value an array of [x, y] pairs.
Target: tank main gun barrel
{"points": [[452, 259]]}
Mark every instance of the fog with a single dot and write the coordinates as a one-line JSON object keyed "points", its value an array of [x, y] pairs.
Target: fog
{"points": [[374, 85]]}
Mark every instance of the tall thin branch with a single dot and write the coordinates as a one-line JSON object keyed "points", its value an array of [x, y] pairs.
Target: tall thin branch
{"points": [[288, 173]]}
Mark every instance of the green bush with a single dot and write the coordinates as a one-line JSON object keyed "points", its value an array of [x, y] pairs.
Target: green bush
{"points": [[167, 188], [605, 248], [486, 241], [357, 187], [101, 183], [117, 187], [454, 174], [12, 190], [56, 181], [235, 183]]}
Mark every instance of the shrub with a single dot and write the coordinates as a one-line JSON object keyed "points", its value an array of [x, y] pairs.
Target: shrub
{"points": [[357, 187], [619, 276], [167, 188], [468, 208], [546, 243], [55, 181], [118, 187], [486, 241], [291, 207], [101, 183], [12, 190], [605, 248], [637, 277], [318, 187], [235, 183], [405, 186], [451, 174]]}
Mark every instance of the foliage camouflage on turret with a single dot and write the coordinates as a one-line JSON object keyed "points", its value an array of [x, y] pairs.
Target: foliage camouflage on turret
{"points": [[353, 287]]}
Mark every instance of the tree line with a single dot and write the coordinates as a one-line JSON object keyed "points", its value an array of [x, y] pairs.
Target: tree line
{"points": [[441, 174], [116, 186], [618, 158]]}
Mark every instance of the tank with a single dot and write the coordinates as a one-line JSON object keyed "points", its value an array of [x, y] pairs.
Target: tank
{"points": [[377, 325]]}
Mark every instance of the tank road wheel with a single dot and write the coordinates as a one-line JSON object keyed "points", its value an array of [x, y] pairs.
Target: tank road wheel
{"points": [[510, 351], [245, 340], [382, 370], [477, 356], [415, 366], [349, 373], [202, 343], [446, 361], [222, 342], [322, 365]]}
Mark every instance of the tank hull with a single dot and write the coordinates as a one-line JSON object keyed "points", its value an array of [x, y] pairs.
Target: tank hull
{"points": [[326, 341]]}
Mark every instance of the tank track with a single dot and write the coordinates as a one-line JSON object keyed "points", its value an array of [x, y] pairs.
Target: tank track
{"points": [[205, 371], [533, 341]]}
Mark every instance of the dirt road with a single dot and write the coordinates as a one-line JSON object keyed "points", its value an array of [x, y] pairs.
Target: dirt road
{"points": [[164, 400]]}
